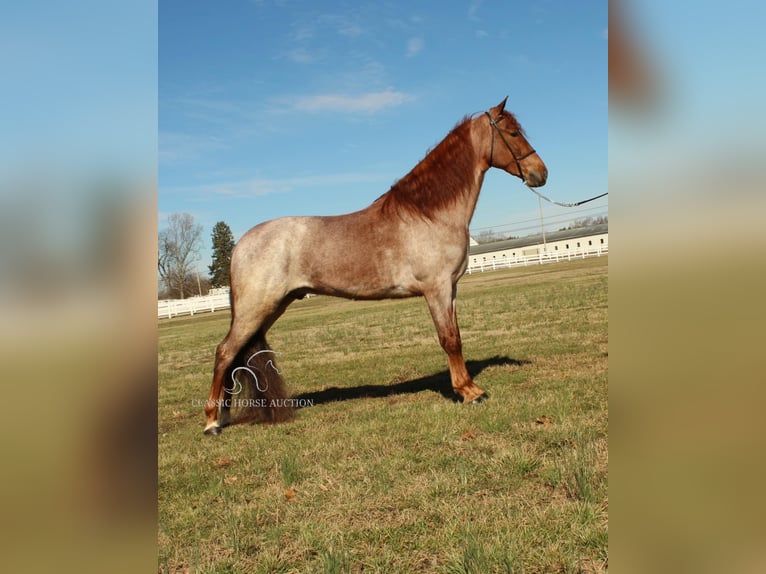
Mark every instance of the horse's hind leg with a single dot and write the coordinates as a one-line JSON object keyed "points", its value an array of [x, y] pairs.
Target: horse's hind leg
{"points": [[225, 353], [245, 324], [441, 304]]}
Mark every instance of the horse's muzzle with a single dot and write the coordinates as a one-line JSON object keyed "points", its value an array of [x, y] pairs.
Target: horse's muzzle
{"points": [[536, 178]]}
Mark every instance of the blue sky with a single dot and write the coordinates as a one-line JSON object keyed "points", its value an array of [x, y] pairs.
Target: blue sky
{"points": [[274, 108]]}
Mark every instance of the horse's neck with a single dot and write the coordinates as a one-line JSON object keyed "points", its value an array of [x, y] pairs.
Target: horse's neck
{"points": [[472, 196], [445, 185]]}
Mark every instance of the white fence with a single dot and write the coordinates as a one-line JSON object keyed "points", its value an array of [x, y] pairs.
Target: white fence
{"points": [[220, 300], [539, 259], [175, 307]]}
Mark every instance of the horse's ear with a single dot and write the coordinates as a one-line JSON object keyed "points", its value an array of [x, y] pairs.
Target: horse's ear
{"points": [[498, 109]]}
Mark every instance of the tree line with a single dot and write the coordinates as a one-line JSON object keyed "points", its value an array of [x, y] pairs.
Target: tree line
{"points": [[490, 235], [179, 246], [586, 222]]}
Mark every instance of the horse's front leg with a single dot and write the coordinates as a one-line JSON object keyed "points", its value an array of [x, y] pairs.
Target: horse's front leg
{"points": [[441, 304]]}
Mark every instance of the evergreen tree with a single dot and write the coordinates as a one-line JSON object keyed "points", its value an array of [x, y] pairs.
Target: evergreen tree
{"points": [[223, 244]]}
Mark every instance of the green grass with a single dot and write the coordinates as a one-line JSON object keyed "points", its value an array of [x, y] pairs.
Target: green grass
{"points": [[395, 476]]}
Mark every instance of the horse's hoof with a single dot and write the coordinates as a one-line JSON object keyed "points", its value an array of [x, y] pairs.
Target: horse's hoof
{"points": [[480, 399], [215, 430]]}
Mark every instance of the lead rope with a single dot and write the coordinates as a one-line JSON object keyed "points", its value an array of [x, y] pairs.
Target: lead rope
{"points": [[549, 200]]}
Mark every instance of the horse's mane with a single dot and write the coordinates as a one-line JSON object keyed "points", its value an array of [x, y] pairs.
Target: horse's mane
{"points": [[441, 177]]}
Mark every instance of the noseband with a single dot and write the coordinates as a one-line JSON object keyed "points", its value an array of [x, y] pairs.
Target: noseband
{"points": [[493, 125]]}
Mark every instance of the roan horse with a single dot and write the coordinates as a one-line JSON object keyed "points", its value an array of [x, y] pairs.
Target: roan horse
{"points": [[413, 240]]}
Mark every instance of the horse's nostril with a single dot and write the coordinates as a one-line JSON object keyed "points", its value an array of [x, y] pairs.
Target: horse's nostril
{"points": [[537, 178]]}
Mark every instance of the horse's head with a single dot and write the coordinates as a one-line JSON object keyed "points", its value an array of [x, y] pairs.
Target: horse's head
{"points": [[508, 148]]}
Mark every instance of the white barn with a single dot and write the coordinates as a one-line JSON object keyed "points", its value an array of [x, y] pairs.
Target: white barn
{"points": [[558, 245]]}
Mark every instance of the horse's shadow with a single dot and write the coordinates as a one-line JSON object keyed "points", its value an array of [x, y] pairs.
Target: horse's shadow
{"points": [[438, 383]]}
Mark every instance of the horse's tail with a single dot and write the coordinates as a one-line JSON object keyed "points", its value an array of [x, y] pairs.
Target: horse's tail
{"points": [[255, 387]]}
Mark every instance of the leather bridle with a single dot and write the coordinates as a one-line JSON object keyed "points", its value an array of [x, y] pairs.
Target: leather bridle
{"points": [[496, 128], [518, 159]]}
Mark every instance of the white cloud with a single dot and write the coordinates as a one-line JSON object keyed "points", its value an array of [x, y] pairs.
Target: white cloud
{"points": [[302, 56], [254, 187], [245, 188], [179, 147], [367, 102], [473, 8], [350, 30], [414, 45]]}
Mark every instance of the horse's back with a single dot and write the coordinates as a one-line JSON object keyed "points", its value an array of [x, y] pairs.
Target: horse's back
{"points": [[275, 235], [361, 255]]}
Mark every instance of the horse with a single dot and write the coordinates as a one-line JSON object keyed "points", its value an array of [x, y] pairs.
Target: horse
{"points": [[411, 241]]}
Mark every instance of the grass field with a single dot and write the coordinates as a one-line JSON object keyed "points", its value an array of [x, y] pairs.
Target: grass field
{"points": [[385, 472]]}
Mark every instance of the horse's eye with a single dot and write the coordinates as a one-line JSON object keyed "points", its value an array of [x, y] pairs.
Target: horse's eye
{"points": [[514, 134]]}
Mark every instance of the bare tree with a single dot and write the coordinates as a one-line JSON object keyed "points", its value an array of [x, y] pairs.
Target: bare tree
{"points": [[179, 242], [490, 235], [586, 222], [487, 236]]}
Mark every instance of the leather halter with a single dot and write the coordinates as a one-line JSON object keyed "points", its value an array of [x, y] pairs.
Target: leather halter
{"points": [[493, 125]]}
